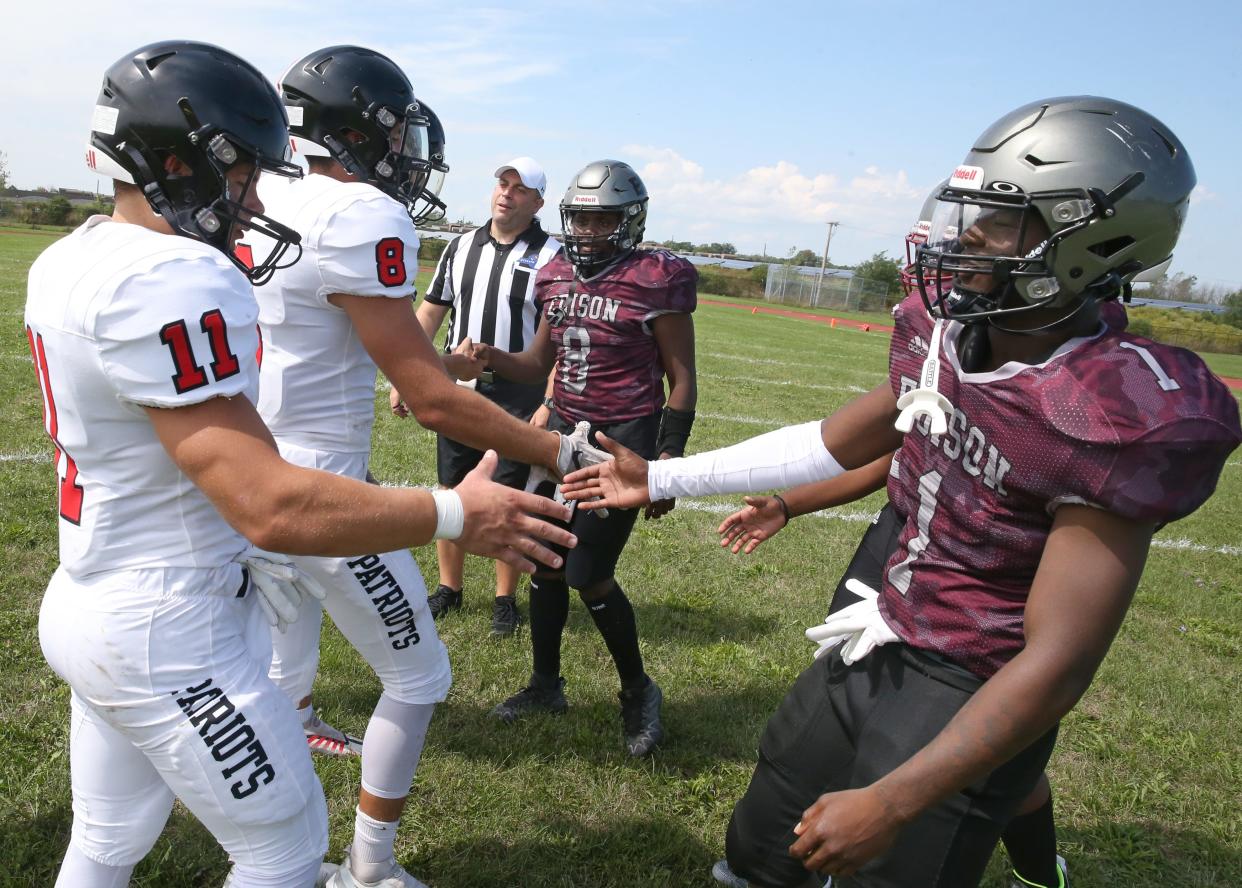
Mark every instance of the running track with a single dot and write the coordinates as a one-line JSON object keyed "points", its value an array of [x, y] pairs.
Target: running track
{"points": [[1235, 384]]}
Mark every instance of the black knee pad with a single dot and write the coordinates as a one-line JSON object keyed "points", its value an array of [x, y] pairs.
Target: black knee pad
{"points": [[597, 591]]}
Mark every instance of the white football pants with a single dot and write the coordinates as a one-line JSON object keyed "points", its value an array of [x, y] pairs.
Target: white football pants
{"points": [[168, 669], [379, 602]]}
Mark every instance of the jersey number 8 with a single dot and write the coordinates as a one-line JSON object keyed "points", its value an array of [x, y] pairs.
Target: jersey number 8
{"points": [[390, 262]]}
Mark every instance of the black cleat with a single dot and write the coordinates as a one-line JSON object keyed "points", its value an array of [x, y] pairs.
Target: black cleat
{"points": [[443, 600], [505, 616], [535, 697], [640, 718]]}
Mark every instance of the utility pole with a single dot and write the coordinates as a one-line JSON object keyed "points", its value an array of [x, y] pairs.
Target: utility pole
{"points": [[823, 265]]}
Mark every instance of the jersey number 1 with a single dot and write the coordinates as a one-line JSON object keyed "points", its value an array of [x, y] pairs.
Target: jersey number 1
{"points": [[70, 490]]}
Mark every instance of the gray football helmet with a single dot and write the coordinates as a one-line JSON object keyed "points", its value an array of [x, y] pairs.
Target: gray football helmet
{"points": [[1060, 202], [605, 186]]}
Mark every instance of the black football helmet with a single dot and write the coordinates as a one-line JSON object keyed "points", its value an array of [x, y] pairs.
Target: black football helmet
{"points": [[357, 107], [430, 207], [209, 109], [605, 186]]}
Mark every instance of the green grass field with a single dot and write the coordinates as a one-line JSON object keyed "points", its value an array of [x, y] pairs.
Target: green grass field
{"points": [[1147, 773]]}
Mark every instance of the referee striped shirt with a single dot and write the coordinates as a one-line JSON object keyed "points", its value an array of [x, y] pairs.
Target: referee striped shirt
{"points": [[491, 286]]}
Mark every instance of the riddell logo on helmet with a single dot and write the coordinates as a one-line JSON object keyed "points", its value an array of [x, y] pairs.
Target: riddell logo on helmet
{"points": [[967, 177], [588, 199]]}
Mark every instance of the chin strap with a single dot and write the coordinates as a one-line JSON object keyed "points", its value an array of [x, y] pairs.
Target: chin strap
{"points": [[974, 347]]}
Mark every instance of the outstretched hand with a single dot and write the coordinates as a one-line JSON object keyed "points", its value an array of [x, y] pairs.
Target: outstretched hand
{"points": [[761, 519], [503, 523], [466, 362], [619, 483]]}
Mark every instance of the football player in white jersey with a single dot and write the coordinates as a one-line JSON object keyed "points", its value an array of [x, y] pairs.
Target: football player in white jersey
{"points": [[327, 322], [143, 330]]}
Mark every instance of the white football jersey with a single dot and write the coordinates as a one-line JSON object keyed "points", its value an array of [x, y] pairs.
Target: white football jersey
{"points": [[317, 382], [120, 317]]}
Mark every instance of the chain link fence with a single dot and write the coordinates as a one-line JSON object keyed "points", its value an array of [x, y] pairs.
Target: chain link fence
{"points": [[801, 286]]}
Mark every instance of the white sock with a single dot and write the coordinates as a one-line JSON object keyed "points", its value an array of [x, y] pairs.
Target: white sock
{"points": [[371, 854], [306, 713]]}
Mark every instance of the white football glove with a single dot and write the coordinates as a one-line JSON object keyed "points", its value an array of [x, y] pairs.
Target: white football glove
{"points": [[576, 452], [282, 587], [860, 626]]}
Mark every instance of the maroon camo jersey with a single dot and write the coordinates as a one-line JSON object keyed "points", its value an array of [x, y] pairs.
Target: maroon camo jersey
{"points": [[608, 365], [1114, 421]]}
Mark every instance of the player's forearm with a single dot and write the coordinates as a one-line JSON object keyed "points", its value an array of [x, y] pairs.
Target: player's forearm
{"points": [[683, 393], [468, 418], [1013, 709], [308, 512], [526, 366], [430, 316], [847, 488], [784, 458]]}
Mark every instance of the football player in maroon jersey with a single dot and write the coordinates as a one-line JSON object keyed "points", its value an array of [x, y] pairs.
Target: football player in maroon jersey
{"points": [[1038, 450], [616, 321]]}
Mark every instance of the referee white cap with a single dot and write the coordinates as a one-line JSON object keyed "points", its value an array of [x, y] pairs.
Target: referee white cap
{"points": [[528, 170]]}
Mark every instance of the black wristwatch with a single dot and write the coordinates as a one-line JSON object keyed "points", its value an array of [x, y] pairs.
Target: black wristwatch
{"points": [[548, 402]]}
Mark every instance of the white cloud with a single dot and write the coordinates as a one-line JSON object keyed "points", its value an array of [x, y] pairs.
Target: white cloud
{"points": [[776, 204], [1202, 194]]}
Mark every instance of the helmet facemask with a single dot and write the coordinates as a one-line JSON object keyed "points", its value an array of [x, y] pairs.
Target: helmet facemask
{"points": [[590, 253], [429, 206], [390, 152], [910, 283], [998, 254]]}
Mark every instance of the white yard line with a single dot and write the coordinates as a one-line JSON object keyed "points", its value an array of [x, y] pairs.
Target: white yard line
{"points": [[815, 386], [26, 456], [856, 516], [738, 359], [853, 516], [744, 420], [1187, 545]]}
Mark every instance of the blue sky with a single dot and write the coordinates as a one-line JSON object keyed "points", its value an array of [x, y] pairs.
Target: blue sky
{"points": [[751, 123]]}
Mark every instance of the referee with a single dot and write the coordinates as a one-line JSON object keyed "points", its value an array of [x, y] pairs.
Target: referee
{"points": [[485, 283]]}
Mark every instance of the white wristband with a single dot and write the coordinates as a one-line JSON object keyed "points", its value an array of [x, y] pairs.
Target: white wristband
{"points": [[450, 516], [784, 458]]}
